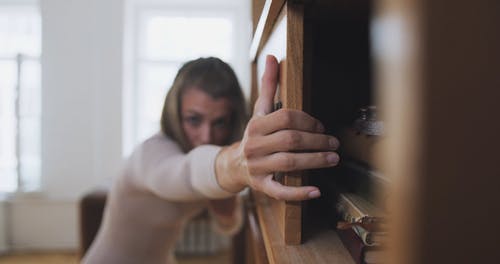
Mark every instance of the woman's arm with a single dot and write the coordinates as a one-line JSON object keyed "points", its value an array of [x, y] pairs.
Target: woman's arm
{"points": [[160, 167]]}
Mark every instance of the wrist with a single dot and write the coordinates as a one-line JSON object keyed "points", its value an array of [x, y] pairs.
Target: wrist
{"points": [[227, 170]]}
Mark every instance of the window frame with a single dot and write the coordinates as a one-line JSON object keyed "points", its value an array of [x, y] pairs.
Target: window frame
{"points": [[19, 59], [136, 10]]}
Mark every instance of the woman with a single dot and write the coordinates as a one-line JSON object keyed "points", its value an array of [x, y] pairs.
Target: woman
{"points": [[182, 170]]}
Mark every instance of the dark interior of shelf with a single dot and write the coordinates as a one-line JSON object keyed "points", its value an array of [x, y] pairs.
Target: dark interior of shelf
{"points": [[339, 73]]}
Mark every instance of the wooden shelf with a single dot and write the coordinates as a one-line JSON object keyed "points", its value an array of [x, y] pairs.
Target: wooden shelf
{"points": [[322, 245], [431, 70], [268, 17]]}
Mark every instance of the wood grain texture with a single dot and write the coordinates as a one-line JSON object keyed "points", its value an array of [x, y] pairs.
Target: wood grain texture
{"points": [[323, 247], [270, 13], [276, 45], [254, 92], [293, 86], [291, 94], [255, 250], [287, 214], [439, 85], [286, 43], [257, 7]]}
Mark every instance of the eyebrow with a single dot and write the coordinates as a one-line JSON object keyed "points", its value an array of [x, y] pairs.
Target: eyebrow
{"points": [[194, 112]]}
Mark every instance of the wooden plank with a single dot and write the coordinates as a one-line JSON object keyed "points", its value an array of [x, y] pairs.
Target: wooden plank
{"points": [[291, 93], [439, 83], [276, 45], [256, 252], [324, 246], [257, 7], [264, 28], [254, 92], [286, 43]]}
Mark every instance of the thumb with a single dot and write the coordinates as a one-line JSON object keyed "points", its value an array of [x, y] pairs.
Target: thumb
{"points": [[265, 101]]}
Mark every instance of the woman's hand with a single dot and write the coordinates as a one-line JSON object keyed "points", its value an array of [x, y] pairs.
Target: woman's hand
{"points": [[281, 141]]}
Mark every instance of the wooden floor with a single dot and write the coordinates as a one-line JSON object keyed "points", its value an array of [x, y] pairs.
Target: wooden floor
{"points": [[42, 258], [72, 258]]}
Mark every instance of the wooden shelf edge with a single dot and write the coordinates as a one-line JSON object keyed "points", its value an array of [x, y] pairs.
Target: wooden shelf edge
{"points": [[266, 22], [322, 247]]}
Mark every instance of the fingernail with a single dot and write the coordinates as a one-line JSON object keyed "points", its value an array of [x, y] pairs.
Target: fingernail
{"points": [[314, 194], [332, 158], [334, 143], [269, 58]]}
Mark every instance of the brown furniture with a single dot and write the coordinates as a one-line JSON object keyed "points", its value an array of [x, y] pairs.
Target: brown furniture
{"points": [[432, 68], [91, 210]]}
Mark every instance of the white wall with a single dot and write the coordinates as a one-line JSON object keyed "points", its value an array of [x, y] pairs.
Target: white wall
{"points": [[81, 105], [82, 60], [43, 225]]}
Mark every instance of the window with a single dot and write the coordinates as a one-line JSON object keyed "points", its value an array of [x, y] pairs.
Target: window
{"points": [[163, 39], [20, 96]]}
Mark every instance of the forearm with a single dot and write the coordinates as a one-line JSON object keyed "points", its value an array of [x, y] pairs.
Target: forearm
{"points": [[160, 167]]}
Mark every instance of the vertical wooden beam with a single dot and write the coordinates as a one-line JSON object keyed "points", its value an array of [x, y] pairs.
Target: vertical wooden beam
{"points": [[257, 6], [439, 81], [292, 97]]}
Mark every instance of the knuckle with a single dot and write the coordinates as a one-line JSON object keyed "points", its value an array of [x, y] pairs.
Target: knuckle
{"points": [[248, 149], [252, 126], [293, 139], [252, 170], [288, 162], [286, 117]]}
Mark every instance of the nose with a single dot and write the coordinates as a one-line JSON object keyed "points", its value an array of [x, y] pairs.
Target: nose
{"points": [[206, 134]]}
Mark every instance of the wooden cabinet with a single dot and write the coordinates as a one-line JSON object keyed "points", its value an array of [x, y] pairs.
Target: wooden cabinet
{"points": [[433, 71]]}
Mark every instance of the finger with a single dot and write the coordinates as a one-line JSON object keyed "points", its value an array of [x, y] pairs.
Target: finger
{"points": [[286, 161], [289, 141], [286, 119], [282, 192], [264, 103]]}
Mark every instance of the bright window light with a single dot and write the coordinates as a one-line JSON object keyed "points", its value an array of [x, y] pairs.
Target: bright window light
{"points": [[179, 38], [20, 97]]}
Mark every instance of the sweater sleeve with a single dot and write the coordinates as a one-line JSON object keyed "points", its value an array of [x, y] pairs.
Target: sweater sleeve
{"points": [[159, 166], [228, 225]]}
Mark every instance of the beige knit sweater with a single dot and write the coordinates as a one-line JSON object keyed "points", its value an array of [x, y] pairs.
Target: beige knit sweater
{"points": [[159, 190]]}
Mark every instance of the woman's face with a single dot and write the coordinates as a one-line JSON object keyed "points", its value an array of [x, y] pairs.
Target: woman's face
{"points": [[205, 120]]}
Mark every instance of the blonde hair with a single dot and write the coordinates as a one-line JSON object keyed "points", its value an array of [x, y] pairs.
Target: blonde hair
{"points": [[217, 79]]}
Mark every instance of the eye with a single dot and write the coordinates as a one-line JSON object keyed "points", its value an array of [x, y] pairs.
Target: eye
{"points": [[221, 123], [193, 120]]}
